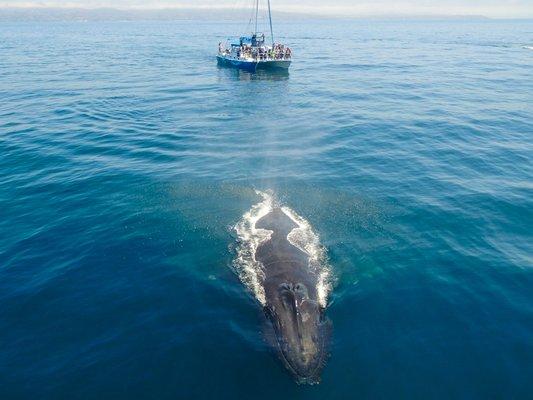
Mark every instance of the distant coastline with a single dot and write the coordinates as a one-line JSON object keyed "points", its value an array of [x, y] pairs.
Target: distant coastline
{"points": [[172, 14]]}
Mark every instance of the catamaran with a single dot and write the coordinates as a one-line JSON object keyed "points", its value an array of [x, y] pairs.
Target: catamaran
{"points": [[252, 52]]}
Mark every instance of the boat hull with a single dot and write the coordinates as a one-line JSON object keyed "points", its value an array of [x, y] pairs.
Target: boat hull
{"points": [[254, 65], [274, 64]]}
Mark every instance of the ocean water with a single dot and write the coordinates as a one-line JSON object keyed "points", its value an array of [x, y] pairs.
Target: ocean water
{"points": [[128, 159]]}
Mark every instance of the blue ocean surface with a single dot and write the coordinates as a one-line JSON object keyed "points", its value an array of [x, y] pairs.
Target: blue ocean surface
{"points": [[127, 158]]}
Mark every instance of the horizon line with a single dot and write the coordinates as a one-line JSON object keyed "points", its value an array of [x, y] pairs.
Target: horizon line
{"points": [[348, 13]]}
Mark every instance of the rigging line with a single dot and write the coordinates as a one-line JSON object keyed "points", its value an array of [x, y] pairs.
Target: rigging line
{"points": [[239, 8], [249, 25], [270, 19]]}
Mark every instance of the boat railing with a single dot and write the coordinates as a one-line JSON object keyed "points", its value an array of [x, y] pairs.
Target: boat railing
{"points": [[257, 54]]}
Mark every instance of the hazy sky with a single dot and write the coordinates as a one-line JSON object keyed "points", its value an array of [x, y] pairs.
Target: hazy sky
{"points": [[490, 8]]}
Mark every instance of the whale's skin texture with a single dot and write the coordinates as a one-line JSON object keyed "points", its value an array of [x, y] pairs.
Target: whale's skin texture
{"points": [[300, 327]]}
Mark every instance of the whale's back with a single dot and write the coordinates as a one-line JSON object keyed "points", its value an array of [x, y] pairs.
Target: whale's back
{"points": [[278, 254]]}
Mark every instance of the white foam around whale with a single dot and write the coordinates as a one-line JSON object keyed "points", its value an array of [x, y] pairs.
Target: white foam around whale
{"points": [[250, 270]]}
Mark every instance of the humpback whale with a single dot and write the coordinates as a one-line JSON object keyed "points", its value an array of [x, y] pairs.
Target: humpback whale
{"points": [[301, 330]]}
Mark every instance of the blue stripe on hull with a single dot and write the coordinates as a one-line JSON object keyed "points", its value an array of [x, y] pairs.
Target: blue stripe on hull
{"points": [[246, 65]]}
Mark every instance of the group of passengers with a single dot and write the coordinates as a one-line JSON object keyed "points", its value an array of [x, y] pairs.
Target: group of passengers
{"points": [[246, 51]]}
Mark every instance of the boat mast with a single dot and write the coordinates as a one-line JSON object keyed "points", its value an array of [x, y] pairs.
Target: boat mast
{"points": [[270, 19], [256, 15]]}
